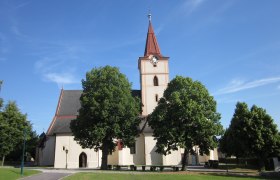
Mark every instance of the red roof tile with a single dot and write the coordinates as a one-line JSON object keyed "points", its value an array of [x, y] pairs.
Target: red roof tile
{"points": [[152, 47]]}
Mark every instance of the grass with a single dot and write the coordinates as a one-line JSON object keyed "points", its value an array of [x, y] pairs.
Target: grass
{"points": [[238, 168], [14, 173], [155, 176]]}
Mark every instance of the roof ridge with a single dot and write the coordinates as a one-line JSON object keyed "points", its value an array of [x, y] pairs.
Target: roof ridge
{"points": [[56, 112]]}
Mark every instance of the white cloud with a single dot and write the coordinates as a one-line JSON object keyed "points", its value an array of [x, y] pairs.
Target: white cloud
{"points": [[61, 79], [278, 87], [238, 85], [57, 62], [192, 5], [21, 5]]}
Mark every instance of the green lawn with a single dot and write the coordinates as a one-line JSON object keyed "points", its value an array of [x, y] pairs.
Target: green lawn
{"points": [[14, 173], [160, 176]]}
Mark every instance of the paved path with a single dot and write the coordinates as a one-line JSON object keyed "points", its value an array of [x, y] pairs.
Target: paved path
{"points": [[47, 176]]}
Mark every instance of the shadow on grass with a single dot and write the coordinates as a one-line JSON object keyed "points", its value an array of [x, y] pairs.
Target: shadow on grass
{"points": [[15, 171], [267, 175], [235, 166]]}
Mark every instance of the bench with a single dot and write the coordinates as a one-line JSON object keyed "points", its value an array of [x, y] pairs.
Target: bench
{"points": [[160, 167], [212, 164], [152, 167], [119, 167]]}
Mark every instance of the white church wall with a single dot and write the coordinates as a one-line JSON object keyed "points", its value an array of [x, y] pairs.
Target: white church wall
{"points": [[213, 155], [172, 159], [149, 91], [74, 151], [125, 158], [113, 159], [148, 67], [150, 98], [203, 159], [139, 156], [152, 157]]}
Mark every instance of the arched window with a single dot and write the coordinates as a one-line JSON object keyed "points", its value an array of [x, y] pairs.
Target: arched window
{"points": [[155, 81]]}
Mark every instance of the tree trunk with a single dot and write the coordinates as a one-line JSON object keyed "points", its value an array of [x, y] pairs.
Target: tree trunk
{"points": [[185, 160], [3, 159], [104, 159]]}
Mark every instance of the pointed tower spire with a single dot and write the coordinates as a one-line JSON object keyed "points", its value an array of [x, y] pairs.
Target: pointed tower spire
{"points": [[152, 47]]}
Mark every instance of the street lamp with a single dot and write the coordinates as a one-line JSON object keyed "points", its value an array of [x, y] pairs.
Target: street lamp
{"points": [[66, 151], [23, 151]]}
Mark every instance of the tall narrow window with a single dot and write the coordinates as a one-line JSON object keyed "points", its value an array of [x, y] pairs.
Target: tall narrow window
{"points": [[156, 98], [155, 81], [133, 149]]}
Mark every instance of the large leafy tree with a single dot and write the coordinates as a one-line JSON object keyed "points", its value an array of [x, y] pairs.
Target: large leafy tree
{"points": [[235, 141], [108, 112], [185, 117], [263, 135], [254, 133], [12, 125], [30, 147]]}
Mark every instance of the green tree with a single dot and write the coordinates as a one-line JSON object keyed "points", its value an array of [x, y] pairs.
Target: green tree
{"points": [[185, 117], [108, 112], [235, 140], [30, 150], [12, 124], [263, 135], [253, 133]]}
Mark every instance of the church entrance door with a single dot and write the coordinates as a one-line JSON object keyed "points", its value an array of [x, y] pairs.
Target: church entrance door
{"points": [[83, 160]]}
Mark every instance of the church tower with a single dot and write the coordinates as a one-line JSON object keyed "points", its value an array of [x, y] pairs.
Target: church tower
{"points": [[154, 72]]}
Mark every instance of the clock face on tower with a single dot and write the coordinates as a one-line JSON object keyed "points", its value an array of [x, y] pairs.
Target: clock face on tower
{"points": [[153, 59]]}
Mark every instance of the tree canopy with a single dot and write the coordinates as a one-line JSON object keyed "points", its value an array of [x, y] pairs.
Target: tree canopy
{"points": [[12, 124], [185, 117], [252, 133], [30, 147], [234, 141], [108, 112]]}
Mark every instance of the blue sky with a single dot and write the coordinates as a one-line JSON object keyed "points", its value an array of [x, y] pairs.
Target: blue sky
{"points": [[231, 46]]}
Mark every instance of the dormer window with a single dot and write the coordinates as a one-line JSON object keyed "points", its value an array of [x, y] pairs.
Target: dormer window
{"points": [[155, 81]]}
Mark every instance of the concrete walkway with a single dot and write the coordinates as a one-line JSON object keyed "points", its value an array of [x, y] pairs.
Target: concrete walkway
{"points": [[47, 176]]}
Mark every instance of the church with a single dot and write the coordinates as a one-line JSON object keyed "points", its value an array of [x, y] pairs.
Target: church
{"points": [[58, 148]]}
